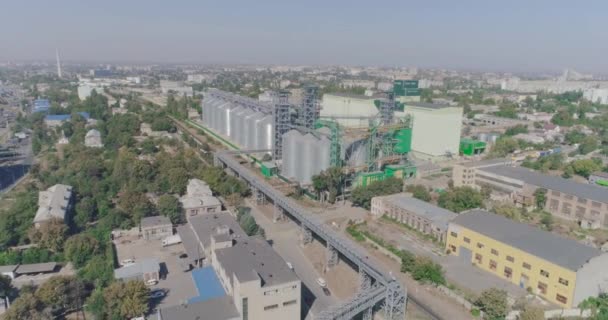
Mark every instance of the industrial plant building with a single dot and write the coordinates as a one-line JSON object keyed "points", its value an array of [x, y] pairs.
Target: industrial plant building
{"points": [[560, 270], [567, 199], [53, 203], [303, 143], [420, 215], [257, 280]]}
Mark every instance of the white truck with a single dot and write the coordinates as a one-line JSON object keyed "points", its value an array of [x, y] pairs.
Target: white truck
{"points": [[171, 240]]}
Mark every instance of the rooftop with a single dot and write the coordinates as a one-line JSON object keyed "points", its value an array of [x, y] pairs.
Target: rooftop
{"points": [[137, 269], [441, 217], [155, 221], [600, 174], [36, 268], [64, 117], [198, 187], [204, 226], [53, 203], [213, 309], [428, 105], [356, 96], [251, 259], [486, 163], [191, 245], [581, 190], [207, 284], [545, 245], [189, 201]]}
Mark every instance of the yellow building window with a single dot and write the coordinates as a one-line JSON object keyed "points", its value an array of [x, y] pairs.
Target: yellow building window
{"points": [[454, 234], [526, 266], [561, 299], [494, 252], [478, 258], [563, 281], [510, 259], [467, 240], [544, 273], [542, 287], [508, 273], [480, 245], [452, 248], [492, 265]]}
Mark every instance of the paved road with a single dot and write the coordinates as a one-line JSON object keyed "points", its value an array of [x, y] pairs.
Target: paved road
{"points": [[285, 240]]}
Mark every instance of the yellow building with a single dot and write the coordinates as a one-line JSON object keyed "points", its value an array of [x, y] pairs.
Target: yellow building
{"points": [[561, 270]]}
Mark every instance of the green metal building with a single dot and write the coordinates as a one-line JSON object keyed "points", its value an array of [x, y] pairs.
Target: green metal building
{"points": [[470, 147]]}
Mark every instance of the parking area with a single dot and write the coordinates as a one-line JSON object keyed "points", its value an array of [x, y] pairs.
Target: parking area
{"points": [[174, 281]]}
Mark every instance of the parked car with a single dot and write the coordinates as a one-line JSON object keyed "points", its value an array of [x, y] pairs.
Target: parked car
{"points": [[157, 294], [126, 262], [321, 282], [151, 282], [289, 265]]}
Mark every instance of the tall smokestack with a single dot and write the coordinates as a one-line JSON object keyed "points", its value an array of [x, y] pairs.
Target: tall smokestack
{"points": [[58, 63]]}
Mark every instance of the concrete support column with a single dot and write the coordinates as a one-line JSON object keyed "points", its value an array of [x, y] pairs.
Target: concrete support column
{"points": [[367, 314], [365, 281], [305, 235], [331, 255], [278, 213]]}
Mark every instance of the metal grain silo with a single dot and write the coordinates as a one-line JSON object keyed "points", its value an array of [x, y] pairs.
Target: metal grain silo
{"points": [[305, 158], [252, 130], [322, 156], [234, 123], [243, 129], [291, 140], [265, 133]]}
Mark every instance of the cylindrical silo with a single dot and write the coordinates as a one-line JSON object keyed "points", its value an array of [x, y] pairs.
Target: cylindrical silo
{"points": [[234, 123], [266, 133], [252, 130], [244, 137], [305, 159], [322, 162], [291, 141]]}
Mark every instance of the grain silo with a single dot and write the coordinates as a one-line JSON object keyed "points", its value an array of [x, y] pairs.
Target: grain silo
{"points": [[252, 130], [243, 129], [291, 141], [323, 152], [234, 122], [265, 133], [305, 158]]}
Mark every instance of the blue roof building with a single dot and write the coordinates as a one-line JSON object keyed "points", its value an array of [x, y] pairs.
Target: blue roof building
{"points": [[207, 284], [57, 119], [41, 105]]}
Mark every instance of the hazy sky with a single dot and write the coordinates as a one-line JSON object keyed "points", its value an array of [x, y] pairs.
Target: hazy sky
{"points": [[514, 35]]}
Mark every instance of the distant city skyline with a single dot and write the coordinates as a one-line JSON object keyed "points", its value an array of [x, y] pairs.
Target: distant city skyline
{"points": [[517, 36]]}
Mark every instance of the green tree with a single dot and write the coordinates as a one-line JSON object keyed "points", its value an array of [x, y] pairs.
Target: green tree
{"points": [[50, 235], [493, 302], [80, 249], [547, 221], [6, 288], [531, 312], [504, 146], [425, 270], [459, 199], [28, 306], [362, 196], [598, 305], [125, 300], [515, 130], [508, 210], [563, 118], [86, 211], [540, 197], [589, 144], [419, 192], [408, 261], [585, 167], [249, 224], [330, 180], [62, 293], [170, 207]]}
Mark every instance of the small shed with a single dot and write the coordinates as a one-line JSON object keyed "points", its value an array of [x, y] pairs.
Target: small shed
{"points": [[268, 168], [146, 270], [156, 227]]}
